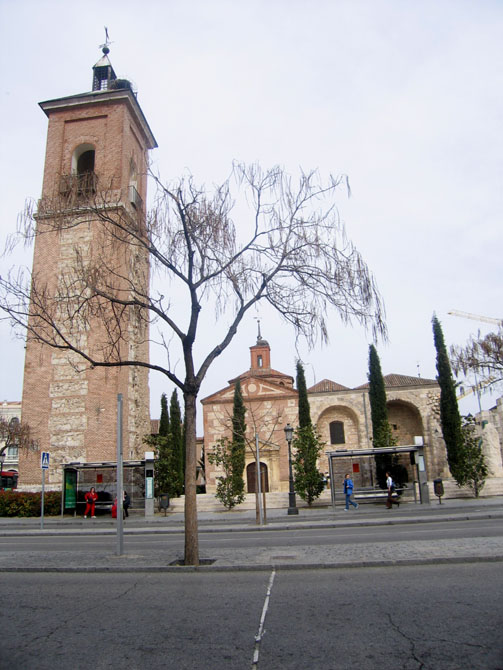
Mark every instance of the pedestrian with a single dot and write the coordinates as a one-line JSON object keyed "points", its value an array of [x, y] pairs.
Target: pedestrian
{"points": [[390, 485], [348, 492], [126, 504], [91, 497]]}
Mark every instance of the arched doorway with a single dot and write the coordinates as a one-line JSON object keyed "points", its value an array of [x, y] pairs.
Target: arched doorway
{"points": [[251, 478]]}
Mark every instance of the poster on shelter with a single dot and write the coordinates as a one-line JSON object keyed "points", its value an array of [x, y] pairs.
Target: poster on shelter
{"points": [[70, 489]]}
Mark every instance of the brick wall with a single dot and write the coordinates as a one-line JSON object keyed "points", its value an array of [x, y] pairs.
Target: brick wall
{"points": [[71, 408]]}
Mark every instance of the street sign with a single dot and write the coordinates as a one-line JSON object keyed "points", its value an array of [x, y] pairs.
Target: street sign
{"points": [[44, 460]]}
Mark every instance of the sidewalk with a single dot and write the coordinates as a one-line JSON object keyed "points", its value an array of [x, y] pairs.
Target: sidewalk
{"points": [[343, 554]]}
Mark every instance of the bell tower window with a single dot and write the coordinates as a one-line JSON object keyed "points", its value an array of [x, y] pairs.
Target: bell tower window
{"points": [[82, 180]]}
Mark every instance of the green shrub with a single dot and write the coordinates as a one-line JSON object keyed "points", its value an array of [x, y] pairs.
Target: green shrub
{"points": [[24, 504]]}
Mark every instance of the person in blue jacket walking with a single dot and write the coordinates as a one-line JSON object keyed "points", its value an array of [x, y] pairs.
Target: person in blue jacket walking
{"points": [[348, 492]]}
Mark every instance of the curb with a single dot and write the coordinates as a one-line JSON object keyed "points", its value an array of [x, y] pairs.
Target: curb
{"points": [[265, 567], [168, 530]]}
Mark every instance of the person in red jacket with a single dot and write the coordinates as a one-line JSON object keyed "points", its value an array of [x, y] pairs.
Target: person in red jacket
{"points": [[91, 497]]}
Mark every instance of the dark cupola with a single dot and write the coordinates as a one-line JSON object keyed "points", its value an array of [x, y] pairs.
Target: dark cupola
{"points": [[103, 72]]}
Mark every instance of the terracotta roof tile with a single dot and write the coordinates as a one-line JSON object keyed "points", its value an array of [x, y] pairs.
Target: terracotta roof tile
{"points": [[394, 380], [327, 386]]}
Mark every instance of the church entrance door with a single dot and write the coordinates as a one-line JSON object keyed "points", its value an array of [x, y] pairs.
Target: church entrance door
{"points": [[251, 478]]}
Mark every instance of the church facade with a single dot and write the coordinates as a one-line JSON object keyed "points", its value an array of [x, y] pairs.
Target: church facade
{"points": [[271, 403], [341, 414]]}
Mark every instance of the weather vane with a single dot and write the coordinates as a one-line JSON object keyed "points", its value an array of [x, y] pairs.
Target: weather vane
{"points": [[105, 47], [257, 319]]}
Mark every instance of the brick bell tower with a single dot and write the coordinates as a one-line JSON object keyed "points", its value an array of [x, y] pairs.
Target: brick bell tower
{"points": [[97, 143]]}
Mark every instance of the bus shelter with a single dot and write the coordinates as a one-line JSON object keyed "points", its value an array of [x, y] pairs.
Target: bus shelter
{"points": [[79, 477], [360, 463]]}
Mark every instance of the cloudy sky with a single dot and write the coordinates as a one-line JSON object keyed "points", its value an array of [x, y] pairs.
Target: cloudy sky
{"points": [[404, 97]]}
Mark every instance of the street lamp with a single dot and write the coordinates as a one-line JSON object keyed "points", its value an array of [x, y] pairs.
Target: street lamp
{"points": [[292, 504], [2, 460]]}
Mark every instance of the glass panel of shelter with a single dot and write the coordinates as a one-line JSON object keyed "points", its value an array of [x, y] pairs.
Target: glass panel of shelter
{"points": [[104, 478]]}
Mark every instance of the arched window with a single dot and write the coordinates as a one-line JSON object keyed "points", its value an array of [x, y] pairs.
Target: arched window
{"points": [[84, 176], [337, 432], [83, 159]]}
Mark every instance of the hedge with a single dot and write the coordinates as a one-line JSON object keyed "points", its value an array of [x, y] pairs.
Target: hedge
{"points": [[17, 503]]}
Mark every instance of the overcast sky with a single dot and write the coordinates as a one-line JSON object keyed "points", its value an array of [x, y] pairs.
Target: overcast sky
{"points": [[404, 97]]}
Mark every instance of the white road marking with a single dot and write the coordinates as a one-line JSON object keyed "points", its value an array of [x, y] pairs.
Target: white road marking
{"points": [[261, 630]]}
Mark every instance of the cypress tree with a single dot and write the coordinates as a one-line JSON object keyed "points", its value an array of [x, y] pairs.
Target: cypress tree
{"points": [[304, 410], [176, 442], [307, 446], [164, 420], [377, 395], [162, 465], [309, 482], [381, 430], [229, 455], [238, 440], [450, 418]]}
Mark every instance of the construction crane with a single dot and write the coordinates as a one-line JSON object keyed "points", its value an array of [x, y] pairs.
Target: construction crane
{"points": [[475, 317], [478, 388]]}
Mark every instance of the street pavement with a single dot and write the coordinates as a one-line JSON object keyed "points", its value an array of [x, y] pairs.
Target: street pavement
{"points": [[342, 553]]}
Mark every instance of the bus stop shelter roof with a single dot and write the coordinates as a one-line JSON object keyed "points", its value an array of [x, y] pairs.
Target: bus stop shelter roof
{"points": [[344, 453], [77, 465]]}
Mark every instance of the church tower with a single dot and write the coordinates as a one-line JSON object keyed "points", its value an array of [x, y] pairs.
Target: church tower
{"points": [[95, 167]]}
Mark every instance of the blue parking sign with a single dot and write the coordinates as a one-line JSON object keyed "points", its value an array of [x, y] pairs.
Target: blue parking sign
{"points": [[44, 460]]}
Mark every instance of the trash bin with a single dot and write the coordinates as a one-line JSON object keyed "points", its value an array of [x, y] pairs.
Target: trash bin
{"points": [[438, 488], [163, 502]]}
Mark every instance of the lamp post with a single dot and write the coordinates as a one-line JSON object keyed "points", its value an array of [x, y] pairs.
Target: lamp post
{"points": [[2, 460], [292, 504]]}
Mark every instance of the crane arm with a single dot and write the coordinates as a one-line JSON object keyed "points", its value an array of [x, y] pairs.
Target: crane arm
{"points": [[475, 317]]}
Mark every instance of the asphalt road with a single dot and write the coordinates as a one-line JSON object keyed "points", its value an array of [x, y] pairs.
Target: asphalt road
{"points": [[273, 538], [408, 618]]}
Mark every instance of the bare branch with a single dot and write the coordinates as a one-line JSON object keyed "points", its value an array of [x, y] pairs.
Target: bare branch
{"points": [[482, 356]]}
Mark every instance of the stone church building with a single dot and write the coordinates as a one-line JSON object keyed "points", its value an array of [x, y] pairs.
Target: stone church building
{"points": [[341, 414], [97, 147]]}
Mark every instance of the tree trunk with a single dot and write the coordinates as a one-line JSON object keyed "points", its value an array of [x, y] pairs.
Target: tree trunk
{"points": [[191, 535]]}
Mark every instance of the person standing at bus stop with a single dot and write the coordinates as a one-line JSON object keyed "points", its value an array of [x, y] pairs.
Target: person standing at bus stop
{"points": [[391, 499], [126, 504], [348, 492], [91, 497]]}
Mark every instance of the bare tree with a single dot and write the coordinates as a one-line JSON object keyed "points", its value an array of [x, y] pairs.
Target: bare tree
{"points": [[289, 249], [14, 433], [482, 356]]}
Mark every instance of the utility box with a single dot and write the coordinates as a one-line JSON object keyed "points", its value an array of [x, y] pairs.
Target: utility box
{"points": [[163, 502]]}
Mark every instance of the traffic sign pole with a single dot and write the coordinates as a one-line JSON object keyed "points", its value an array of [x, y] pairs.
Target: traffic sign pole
{"points": [[42, 501]]}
